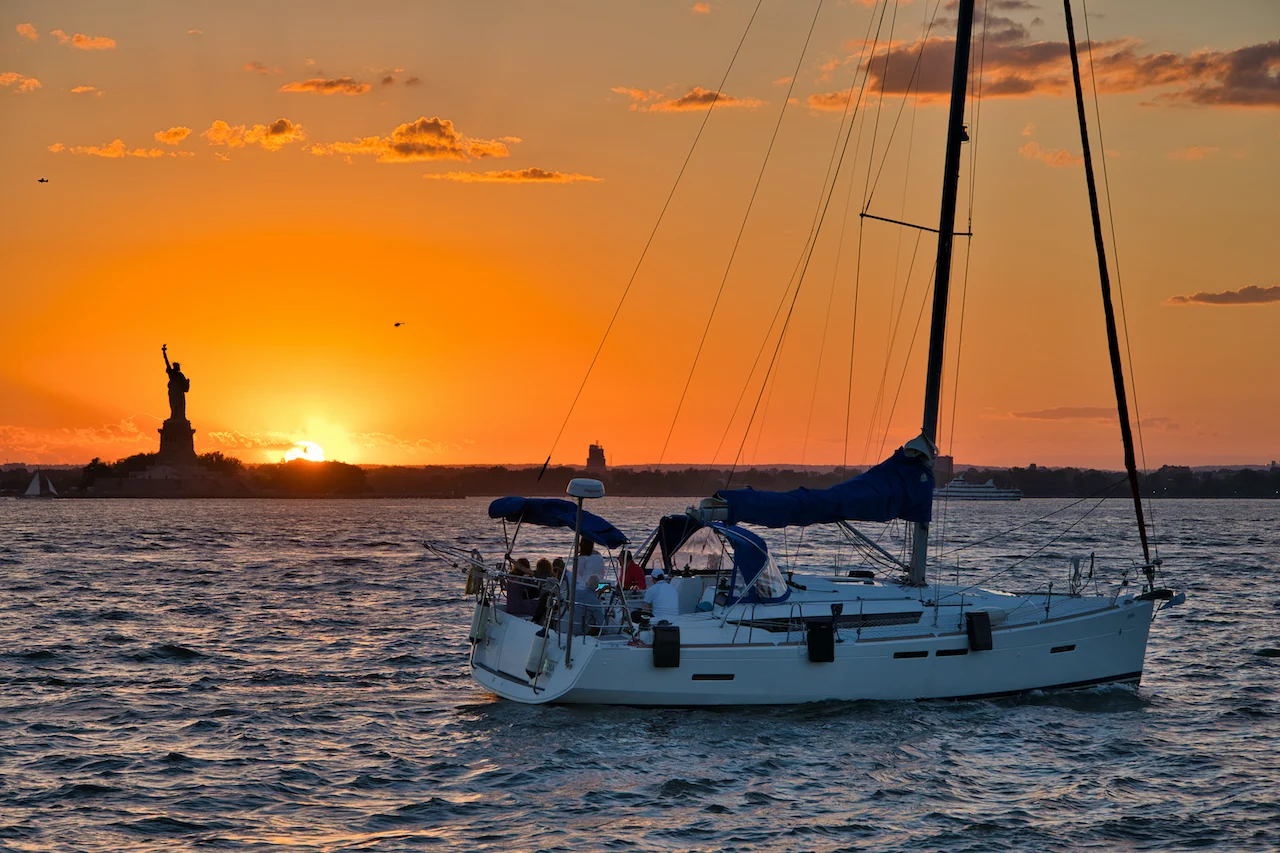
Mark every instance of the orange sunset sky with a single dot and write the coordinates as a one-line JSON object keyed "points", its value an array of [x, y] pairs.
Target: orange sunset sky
{"points": [[268, 187]]}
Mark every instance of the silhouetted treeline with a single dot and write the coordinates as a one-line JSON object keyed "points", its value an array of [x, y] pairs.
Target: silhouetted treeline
{"points": [[300, 477], [501, 480], [1171, 481]]}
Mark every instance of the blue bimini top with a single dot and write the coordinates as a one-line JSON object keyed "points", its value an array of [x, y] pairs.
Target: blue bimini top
{"points": [[556, 512]]}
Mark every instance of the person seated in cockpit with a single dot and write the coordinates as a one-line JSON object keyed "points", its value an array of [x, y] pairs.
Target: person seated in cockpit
{"points": [[522, 589], [662, 596]]}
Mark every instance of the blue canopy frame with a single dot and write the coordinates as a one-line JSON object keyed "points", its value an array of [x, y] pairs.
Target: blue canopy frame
{"points": [[556, 512], [750, 555]]}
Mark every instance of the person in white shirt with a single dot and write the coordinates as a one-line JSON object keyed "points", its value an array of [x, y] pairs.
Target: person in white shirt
{"points": [[661, 595], [589, 562]]}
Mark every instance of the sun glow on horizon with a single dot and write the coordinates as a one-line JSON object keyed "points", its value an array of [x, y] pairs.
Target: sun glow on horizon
{"points": [[305, 450]]}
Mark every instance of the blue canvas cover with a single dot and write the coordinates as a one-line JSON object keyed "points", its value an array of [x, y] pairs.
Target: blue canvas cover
{"points": [[556, 512], [750, 556], [899, 487]]}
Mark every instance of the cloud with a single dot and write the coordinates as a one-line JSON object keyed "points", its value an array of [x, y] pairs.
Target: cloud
{"points": [[111, 150], [1062, 413], [27, 31], [321, 86], [173, 135], [532, 175], [80, 41], [21, 82], [698, 98], [1028, 130], [1059, 157], [1250, 295], [75, 445], [254, 67], [702, 8], [272, 136], [1096, 414], [828, 101], [1017, 65], [388, 80], [194, 32], [84, 90], [412, 81], [423, 139], [1195, 152]]}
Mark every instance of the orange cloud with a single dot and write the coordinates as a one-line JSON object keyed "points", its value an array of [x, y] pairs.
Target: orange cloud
{"points": [[173, 135], [532, 175], [194, 32], [1060, 157], [84, 90], [702, 8], [272, 136], [828, 101], [80, 41], [254, 67], [424, 139], [1250, 295], [27, 32], [321, 86], [23, 83], [1195, 152], [112, 150], [698, 98]]}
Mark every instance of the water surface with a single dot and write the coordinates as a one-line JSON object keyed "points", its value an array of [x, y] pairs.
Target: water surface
{"points": [[237, 675]]}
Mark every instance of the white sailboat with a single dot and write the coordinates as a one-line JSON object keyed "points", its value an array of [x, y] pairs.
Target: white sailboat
{"points": [[745, 633], [40, 487]]}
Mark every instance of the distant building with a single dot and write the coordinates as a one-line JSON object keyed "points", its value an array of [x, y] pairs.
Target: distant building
{"points": [[595, 458]]}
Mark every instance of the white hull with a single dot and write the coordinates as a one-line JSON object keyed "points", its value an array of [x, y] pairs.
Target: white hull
{"points": [[1083, 642]]}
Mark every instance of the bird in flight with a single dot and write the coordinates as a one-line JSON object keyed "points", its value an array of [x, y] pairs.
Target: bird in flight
{"points": [[42, 180], [398, 325]]}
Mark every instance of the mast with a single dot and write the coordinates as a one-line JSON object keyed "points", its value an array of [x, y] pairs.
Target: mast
{"points": [[1113, 340], [942, 277]]}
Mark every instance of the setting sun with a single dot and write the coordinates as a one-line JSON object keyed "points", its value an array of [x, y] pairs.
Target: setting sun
{"points": [[307, 450]]}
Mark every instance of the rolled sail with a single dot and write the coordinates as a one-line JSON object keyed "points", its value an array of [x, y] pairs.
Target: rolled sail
{"points": [[899, 487]]}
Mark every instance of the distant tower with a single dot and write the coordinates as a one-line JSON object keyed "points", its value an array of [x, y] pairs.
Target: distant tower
{"points": [[595, 458]]}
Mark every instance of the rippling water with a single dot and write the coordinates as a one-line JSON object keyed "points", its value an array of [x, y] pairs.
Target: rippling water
{"points": [[292, 675]]}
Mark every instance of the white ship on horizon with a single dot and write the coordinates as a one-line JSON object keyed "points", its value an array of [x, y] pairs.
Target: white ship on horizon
{"points": [[959, 490]]}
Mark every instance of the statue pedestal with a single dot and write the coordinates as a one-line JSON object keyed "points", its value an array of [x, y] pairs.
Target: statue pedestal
{"points": [[177, 443]]}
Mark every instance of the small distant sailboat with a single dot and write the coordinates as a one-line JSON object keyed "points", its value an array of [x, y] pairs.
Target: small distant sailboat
{"points": [[41, 487]]}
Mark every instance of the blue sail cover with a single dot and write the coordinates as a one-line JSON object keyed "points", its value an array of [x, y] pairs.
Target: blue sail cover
{"points": [[899, 487], [556, 512]]}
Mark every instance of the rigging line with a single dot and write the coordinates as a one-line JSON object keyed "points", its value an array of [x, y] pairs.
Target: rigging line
{"points": [[888, 423], [924, 40], [741, 230], [649, 242], [1115, 254], [1108, 489], [875, 409], [835, 179], [1022, 560], [813, 228], [894, 326]]}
